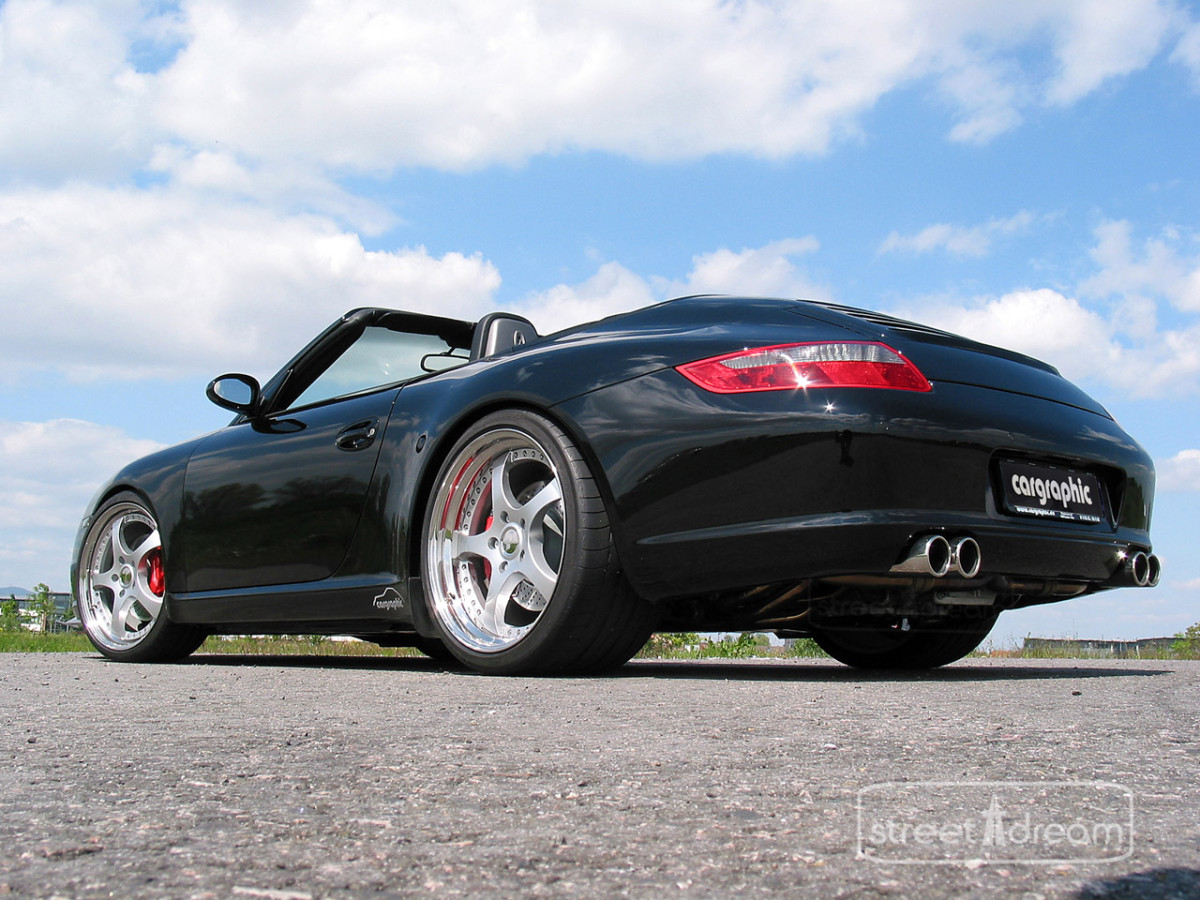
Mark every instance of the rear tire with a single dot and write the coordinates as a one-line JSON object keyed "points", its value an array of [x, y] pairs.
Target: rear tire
{"points": [[884, 645], [519, 567]]}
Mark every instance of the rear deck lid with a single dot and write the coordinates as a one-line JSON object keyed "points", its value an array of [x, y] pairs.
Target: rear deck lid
{"points": [[950, 358]]}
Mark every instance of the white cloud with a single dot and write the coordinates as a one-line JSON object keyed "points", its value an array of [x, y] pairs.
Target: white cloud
{"points": [[48, 472], [957, 240], [1111, 331], [1085, 345], [613, 289], [127, 283], [1041, 323], [1161, 268], [70, 102], [1179, 473], [372, 85], [280, 185], [1187, 52], [1101, 39], [119, 284], [767, 270], [367, 85], [989, 99]]}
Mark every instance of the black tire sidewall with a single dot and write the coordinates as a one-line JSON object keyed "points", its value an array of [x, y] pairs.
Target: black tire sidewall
{"points": [[925, 648], [540, 649]]}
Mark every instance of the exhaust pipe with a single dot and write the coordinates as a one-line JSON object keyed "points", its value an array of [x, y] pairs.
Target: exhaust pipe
{"points": [[930, 555], [966, 558], [1137, 567], [1154, 571]]}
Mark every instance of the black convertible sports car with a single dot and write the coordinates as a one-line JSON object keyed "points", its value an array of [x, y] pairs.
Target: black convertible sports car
{"points": [[542, 504]]}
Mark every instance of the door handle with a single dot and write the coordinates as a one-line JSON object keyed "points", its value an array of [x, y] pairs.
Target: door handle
{"points": [[358, 436]]}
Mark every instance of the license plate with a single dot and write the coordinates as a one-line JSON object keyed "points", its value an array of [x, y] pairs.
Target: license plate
{"points": [[1051, 492]]}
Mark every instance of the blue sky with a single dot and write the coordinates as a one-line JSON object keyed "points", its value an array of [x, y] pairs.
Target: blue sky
{"points": [[196, 187]]}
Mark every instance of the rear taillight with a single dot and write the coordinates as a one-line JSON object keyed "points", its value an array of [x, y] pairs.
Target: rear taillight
{"points": [[789, 367]]}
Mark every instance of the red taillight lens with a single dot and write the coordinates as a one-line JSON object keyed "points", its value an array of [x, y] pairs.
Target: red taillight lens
{"points": [[792, 367]]}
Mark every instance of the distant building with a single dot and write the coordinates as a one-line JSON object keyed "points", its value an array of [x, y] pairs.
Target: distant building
{"points": [[31, 620], [1100, 649]]}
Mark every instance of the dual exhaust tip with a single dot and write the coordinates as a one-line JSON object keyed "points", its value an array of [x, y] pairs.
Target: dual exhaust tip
{"points": [[1142, 569], [938, 556]]}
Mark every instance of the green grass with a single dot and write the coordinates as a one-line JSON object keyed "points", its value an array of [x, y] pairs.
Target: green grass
{"points": [[35, 642], [660, 646], [271, 645], [302, 645], [689, 645], [1082, 653]]}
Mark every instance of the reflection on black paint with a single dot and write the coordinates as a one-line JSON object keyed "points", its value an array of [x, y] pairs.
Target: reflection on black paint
{"points": [[276, 501], [844, 440], [277, 426], [239, 526]]}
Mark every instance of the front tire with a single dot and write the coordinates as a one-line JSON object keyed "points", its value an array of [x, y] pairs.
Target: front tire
{"points": [[519, 567], [121, 588], [926, 644]]}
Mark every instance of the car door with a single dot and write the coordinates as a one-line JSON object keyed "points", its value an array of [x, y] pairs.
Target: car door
{"points": [[276, 499]]}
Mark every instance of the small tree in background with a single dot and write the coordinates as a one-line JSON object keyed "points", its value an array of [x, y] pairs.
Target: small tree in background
{"points": [[10, 618], [42, 605], [1187, 642]]}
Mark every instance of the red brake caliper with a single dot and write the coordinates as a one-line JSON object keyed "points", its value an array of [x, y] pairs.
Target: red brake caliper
{"points": [[156, 578]]}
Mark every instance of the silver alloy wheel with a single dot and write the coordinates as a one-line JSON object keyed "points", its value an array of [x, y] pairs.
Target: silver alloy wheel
{"points": [[121, 580], [495, 541]]}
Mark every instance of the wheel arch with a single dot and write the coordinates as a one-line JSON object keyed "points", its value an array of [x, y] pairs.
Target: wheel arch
{"points": [[102, 496], [426, 484], [157, 481]]}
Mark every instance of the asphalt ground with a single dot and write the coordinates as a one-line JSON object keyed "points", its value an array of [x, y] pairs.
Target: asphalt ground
{"points": [[291, 778]]}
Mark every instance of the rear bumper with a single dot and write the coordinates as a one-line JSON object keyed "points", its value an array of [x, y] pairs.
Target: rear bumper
{"points": [[865, 544], [717, 492]]}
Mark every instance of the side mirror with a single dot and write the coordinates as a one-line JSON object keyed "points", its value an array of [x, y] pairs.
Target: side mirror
{"points": [[236, 393]]}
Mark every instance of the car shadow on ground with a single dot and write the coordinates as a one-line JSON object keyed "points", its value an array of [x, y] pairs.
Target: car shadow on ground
{"points": [[1155, 884], [765, 670], [821, 670]]}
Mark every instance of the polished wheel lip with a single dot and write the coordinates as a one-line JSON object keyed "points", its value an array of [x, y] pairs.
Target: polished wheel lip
{"points": [[493, 551], [121, 558]]}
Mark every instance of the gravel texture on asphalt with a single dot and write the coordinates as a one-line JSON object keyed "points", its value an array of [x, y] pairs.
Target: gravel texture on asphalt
{"points": [[292, 778]]}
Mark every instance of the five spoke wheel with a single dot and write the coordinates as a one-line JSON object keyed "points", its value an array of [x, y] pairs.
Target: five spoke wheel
{"points": [[497, 548], [519, 563], [122, 586]]}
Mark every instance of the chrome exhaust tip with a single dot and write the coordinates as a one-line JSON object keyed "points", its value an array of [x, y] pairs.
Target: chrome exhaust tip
{"points": [[966, 557], [1137, 567], [1154, 570], [930, 555]]}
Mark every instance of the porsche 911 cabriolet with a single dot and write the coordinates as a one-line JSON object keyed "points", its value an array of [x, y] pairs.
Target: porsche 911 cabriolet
{"points": [[541, 504]]}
